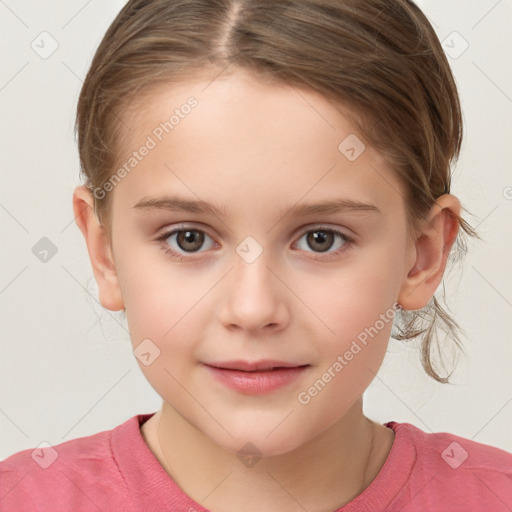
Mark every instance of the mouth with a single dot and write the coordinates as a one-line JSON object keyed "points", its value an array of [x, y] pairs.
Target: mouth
{"points": [[258, 377], [255, 366]]}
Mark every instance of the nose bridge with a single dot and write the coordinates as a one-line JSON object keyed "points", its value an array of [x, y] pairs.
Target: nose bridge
{"points": [[253, 298], [252, 264]]}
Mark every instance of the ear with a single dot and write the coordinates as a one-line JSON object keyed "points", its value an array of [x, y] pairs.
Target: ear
{"points": [[100, 251], [430, 253]]}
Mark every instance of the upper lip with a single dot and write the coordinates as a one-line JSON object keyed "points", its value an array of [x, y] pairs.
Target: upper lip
{"points": [[250, 366]]}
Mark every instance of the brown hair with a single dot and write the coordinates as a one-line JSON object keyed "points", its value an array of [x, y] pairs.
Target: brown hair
{"points": [[380, 58]]}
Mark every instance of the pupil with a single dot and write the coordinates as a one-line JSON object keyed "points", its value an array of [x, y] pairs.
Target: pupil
{"points": [[190, 237], [319, 237]]}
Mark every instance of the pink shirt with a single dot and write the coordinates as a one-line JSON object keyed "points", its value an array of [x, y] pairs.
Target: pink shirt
{"points": [[115, 471]]}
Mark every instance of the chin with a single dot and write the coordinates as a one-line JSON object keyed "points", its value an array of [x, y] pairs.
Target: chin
{"points": [[259, 442]]}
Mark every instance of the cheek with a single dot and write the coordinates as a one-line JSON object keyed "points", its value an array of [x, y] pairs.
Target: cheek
{"points": [[168, 306], [158, 295], [353, 299], [355, 306], [162, 311], [350, 358]]}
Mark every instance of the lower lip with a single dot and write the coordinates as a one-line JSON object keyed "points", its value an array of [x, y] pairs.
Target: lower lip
{"points": [[257, 383]]}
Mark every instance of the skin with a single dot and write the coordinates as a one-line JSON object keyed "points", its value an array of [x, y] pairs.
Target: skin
{"points": [[258, 149]]}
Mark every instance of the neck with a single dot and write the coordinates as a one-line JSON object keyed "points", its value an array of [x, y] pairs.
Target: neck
{"points": [[323, 474]]}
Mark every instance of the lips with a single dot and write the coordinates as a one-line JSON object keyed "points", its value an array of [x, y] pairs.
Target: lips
{"points": [[247, 366], [257, 377]]}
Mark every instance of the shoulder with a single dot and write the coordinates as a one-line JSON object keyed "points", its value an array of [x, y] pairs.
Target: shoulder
{"points": [[456, 451], [452, 471], [75, 474]]}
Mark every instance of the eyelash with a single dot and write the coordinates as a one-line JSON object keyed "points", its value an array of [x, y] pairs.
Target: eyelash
{"points": [[347, 246]]}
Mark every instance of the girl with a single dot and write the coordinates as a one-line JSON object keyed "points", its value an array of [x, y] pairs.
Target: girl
{"points": [[267, 184]]}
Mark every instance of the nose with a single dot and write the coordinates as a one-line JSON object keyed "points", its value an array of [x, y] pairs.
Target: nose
{"points": [[254, 296]]}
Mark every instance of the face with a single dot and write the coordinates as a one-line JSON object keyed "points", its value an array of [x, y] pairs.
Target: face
{"points": [[258, 279]]}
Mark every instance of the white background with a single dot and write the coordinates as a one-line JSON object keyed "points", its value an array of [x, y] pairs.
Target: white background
{"points": [[66, 365]]}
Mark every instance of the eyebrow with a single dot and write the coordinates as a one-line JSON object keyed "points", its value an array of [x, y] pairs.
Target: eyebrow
{"points": [[176, 203]]}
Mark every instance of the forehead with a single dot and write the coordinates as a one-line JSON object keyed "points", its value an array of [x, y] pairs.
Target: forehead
{"points": [[238, 102], [218, 131]]}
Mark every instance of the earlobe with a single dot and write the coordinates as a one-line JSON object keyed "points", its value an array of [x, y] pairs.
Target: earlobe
{"points": [[430, 253], [100, 251]]}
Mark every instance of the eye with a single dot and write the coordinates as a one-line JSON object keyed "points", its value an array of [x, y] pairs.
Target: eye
{"points": [[187, 240], [321, 239]]}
